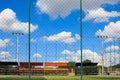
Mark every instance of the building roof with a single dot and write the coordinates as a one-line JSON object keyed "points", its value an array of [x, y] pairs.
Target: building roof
{"points": [[86, 64], [36, 63], [31, 63], [8, 63]]}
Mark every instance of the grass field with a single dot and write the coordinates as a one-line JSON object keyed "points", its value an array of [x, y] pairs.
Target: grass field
{"points": [[60, 77]]}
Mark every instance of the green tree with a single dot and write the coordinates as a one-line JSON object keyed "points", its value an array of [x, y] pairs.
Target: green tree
{"points": [[71, 65], [87, 61], [116, 66]]}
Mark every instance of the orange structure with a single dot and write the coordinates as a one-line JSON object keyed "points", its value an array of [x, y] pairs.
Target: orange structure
{"points": [[54, 68], [56, 64]]}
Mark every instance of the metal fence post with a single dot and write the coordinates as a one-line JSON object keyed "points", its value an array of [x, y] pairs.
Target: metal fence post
{"points": [[81, 68], [29, 75]]}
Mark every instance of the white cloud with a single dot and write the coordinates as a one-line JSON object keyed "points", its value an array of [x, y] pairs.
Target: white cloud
{"points": [[88, 54], [62, 8], [9, 22], [57, 8], [64, 36], [95, 4], [33, 40], [67, 52], [94, 11], [75, 55], [112, 57], [4, 43], [4, 54], [112, 48], [37, 55], [100, 15], [112, 30], [77, 36]]}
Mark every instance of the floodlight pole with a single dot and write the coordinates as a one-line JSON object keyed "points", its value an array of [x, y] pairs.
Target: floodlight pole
{"points": [[110, 60], [6, 51], [93, 53], [36, 52], [102, 37], [102, 57], [119, 49], [17, 59], [17, 45]]}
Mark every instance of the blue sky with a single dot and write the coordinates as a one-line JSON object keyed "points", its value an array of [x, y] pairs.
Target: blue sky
{"points": [[56, 23]]}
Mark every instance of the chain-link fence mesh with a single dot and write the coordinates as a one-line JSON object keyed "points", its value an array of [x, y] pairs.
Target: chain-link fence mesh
{"points": [[55, 41]]}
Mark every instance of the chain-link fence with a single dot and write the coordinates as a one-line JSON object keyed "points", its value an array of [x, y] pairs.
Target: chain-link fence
{"points": [[55, 39]]}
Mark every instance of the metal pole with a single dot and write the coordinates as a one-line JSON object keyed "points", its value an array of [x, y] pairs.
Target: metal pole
{"points": [[17, 59], [65, 53], [81, 68], [114, 53], [119, 49], [84, 54], [110, 60], [102, 57], [29, 75], [102, 37], [75, 53], [6, 52], [17, 45], [26, 52], [46, 56], [36, 52], [17, 49], [93, 53]]}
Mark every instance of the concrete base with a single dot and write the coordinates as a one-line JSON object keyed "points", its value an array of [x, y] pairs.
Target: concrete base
{"points": [[71, 74]]}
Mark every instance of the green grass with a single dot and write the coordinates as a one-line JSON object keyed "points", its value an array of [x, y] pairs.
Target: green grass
{"points": [[59, 77]]}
